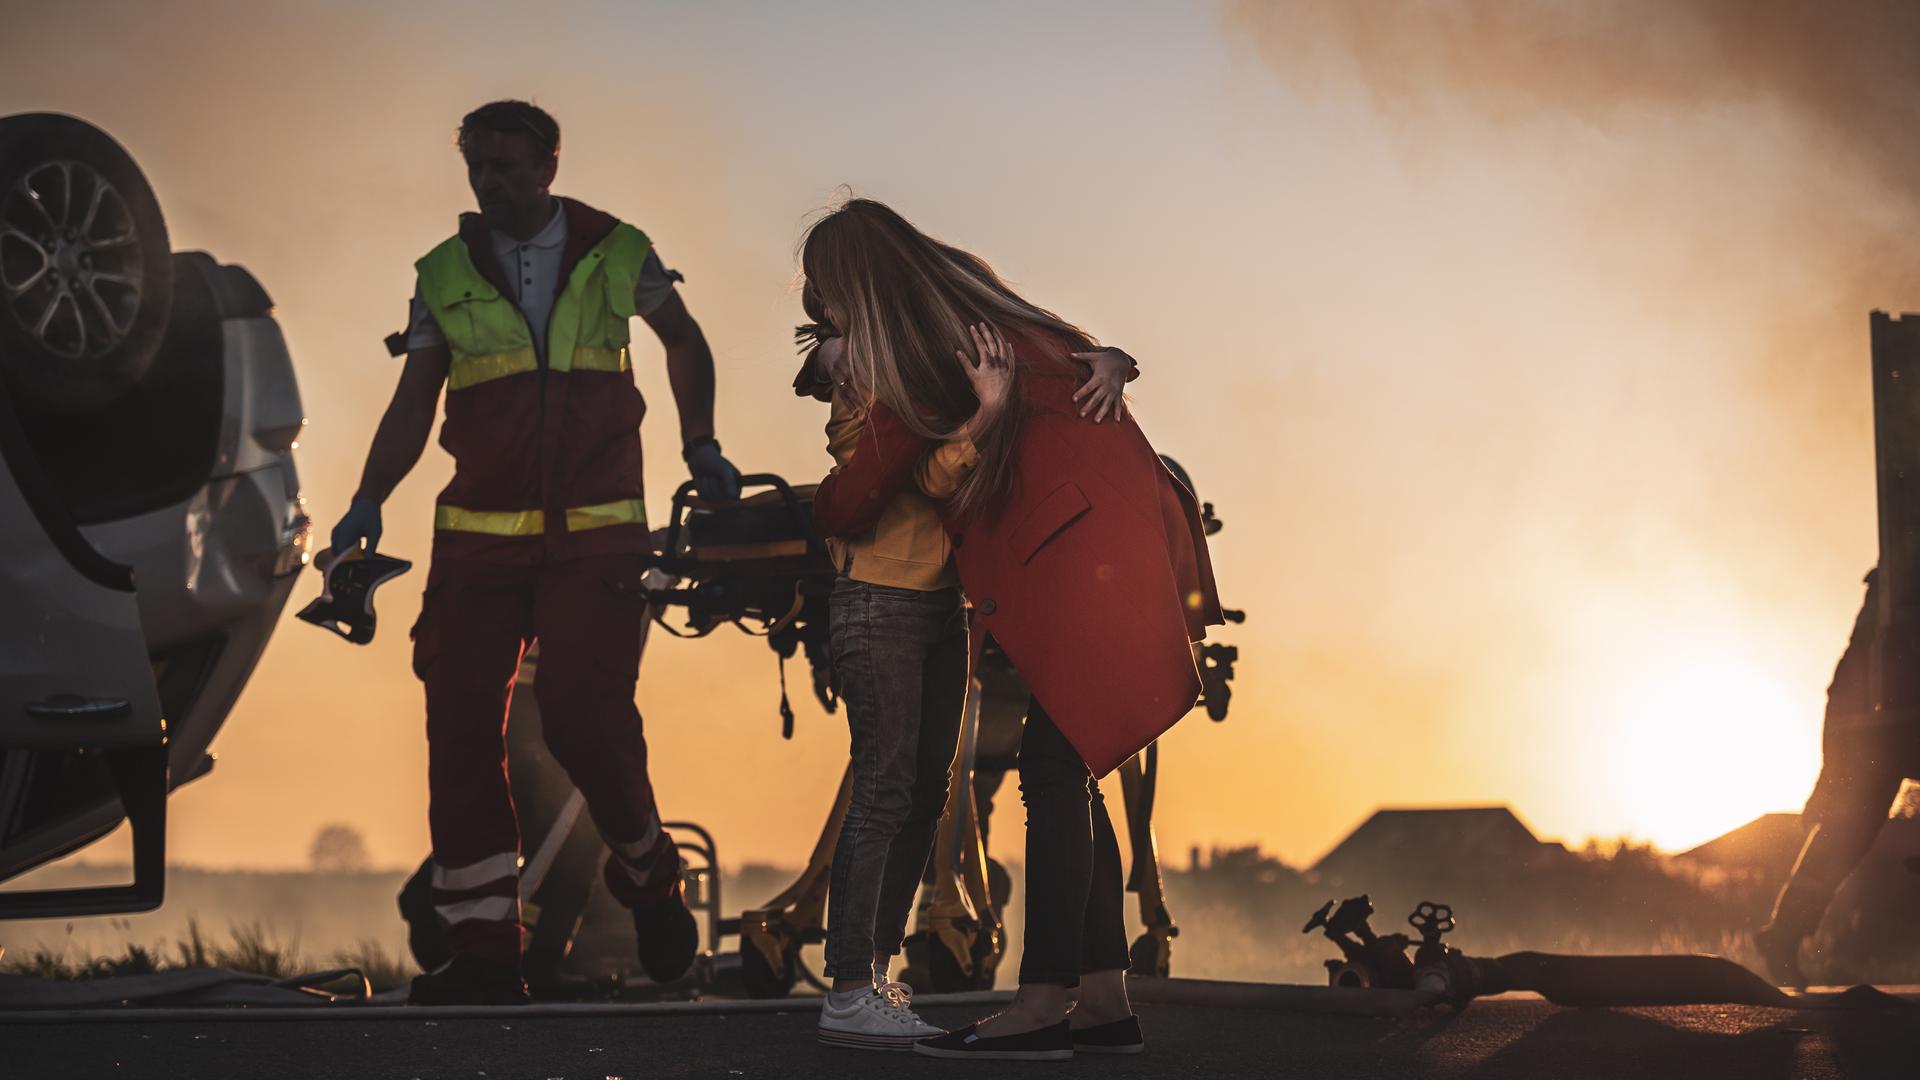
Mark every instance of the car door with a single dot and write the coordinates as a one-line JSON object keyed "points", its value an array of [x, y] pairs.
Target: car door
{"points": [[79, 712]]}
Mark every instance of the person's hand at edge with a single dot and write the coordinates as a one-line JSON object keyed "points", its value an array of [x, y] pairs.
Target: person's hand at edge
{"points": [[1106, 388]]}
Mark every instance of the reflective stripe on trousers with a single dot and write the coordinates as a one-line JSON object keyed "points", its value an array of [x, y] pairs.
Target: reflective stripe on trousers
{"points": [[534, 522]]}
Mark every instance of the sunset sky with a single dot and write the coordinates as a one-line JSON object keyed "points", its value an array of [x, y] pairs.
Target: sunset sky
{"points": [[1534, 396]]}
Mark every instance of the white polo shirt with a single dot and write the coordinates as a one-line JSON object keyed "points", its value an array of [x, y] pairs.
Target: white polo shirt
{"points": [[532, 267]]}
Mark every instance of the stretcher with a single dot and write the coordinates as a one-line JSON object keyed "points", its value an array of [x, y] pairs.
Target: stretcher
{"points": [[754, 563]]}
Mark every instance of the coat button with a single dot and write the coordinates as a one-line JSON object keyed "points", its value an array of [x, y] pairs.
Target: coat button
{"points": [[959, 538], [987, 606]]}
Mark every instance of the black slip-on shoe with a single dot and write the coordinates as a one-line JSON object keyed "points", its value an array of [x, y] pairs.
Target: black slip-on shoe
{"points": [[666, 937], [466, 981], [1044, 1044], [1119, 1037]]}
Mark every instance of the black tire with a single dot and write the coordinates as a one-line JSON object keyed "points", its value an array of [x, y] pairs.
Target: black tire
{"points": [[1144, 958], [86, 274], [945, 974], [758, 975], [426, 935], [157, 443], [984, 961], [913, 964], [999, 885]]}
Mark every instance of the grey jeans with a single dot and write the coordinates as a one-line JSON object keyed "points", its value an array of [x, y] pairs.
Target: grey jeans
{"points": [[900, 660]]}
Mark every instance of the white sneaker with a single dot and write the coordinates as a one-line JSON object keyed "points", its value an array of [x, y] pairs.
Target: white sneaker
{"points": [[879, 1019]]}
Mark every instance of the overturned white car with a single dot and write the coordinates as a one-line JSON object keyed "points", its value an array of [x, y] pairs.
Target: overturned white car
{"points": [[150, 515]]}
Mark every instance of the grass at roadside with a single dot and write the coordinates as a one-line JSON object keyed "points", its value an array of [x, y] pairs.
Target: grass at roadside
{"points": [[248, 947]]}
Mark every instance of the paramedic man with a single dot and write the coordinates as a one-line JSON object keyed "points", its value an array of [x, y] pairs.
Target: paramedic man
{"points": [[523, 316]]}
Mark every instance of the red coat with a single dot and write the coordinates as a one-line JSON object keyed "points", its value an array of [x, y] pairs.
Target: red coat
{"points": [[1092, 575]]}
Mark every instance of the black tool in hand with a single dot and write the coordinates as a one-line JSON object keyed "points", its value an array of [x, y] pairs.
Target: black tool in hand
{"points": [[345, 603]]}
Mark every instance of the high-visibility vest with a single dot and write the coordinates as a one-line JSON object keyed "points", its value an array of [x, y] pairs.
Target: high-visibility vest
{"points": [[491, 344]]}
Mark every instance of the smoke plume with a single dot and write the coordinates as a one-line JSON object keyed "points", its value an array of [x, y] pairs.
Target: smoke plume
{"points": [[1846, 77]]}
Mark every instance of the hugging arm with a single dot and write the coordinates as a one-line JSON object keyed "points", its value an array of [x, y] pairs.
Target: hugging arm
{"points": [[850, 500], [944, 467], [942, 471]]}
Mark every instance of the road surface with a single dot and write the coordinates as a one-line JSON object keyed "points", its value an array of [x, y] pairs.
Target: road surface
{"points": [[1501, 1038]]}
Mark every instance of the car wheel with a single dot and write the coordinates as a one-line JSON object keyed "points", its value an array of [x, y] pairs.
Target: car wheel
{"points": [[426, 934], [944, 972], [86, 274], [758, 974], [999, 884], [1150, 956]]}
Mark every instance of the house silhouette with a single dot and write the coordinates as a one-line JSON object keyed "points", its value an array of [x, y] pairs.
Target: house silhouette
{"points": [[1764, 849], [1399, 844], [1761, 850]]}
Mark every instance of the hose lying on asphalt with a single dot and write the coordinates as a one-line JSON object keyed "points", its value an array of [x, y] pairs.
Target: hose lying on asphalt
{"points": [[194, 986]]}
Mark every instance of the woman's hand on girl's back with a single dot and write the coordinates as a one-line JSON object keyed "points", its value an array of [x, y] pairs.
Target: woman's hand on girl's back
{"points": [[991, 375], [1106, 388]]}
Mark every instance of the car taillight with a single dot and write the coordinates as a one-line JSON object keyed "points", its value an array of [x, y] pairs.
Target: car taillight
{"points": [[296, 541]]}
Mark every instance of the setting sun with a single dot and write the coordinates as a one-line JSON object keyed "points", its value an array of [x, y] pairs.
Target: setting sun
{"points": [[1693, 749]]}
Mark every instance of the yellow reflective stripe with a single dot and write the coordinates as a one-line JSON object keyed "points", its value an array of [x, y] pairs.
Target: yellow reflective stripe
{"points": [[618, 512], [468, 371], [492, 522], [600, 358], [533, 522]]}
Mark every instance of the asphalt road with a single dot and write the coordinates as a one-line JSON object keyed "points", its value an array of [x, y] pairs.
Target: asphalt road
{"points": [[1502, 1038]]}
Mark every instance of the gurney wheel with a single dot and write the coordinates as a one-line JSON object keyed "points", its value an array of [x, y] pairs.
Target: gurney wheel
{"points": [[1150, 955], [999, 884], [426, 936], [943, 969], [761, 982], [947, 975]]}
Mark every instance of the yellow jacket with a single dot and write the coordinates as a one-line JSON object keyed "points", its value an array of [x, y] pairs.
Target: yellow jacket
{"points": [[909, 548]]}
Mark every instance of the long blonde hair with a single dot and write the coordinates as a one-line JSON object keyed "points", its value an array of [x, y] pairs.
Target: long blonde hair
{"points": [[907, 300]]}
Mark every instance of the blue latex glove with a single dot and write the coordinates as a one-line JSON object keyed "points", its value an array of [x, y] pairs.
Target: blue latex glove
{"points": [[361, 523], [714, 477]]}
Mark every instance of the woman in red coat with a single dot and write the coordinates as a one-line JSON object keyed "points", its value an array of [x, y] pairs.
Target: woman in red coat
{"points": [[1081, 555]]}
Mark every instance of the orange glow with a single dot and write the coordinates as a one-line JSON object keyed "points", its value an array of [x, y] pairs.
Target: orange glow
{"points": [[1543, 448]]}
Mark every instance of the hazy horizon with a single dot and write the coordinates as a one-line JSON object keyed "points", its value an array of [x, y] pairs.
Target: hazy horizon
{"points": [[1534, 395]]}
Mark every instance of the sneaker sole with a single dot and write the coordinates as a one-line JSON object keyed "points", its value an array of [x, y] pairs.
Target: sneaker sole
{"points": [[1136, 1048], [992, 1055], [854, 1040]]}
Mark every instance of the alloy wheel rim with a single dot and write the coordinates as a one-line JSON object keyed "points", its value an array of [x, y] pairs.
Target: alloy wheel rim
{"points": [[70, 260]]}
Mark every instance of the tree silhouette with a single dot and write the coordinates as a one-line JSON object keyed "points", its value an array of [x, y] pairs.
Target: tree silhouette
{"points": [[339, 849]]}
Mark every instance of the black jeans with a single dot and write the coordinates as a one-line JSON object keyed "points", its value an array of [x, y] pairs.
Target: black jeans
{"points": [[1075, 896], [900, 660]]}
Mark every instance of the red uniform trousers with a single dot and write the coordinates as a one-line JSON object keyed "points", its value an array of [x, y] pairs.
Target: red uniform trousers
{"points": [[589, 616]]}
